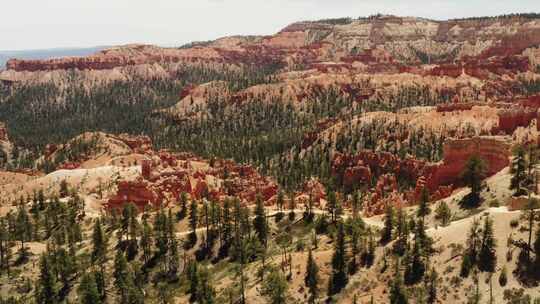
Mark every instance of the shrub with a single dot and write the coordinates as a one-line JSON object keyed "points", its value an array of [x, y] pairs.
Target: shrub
{"points": [[321, 224], [516, 296], [300, 245], [503, 277], [494, 203], [443, 213], [279, 217], [514, 223]]}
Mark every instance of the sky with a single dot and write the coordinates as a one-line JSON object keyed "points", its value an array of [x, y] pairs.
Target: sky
{"points": [[40, 24]]}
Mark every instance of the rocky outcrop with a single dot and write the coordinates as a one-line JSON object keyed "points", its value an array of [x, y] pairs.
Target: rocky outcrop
{"points": [[315, 189], [381, 42], [440, 179], [482, 68], [136, 192], [129, 55], [165, 176], [138, 143], [495, 151], [512, 118]]}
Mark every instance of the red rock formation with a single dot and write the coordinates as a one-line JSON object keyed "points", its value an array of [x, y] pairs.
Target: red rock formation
{"points": [[514, 44], [511, 119], [315, 44], [385, 192], [137, 192], [517, 203], [50, 149], [530, 101], [440, 179], [314, 188], [146, 168], [451, 107], [186, 91], [495, 151], [69, 166], [481, 68], [169, 174], [138, 144], [356, 175], [368, 163], [103, 60]]}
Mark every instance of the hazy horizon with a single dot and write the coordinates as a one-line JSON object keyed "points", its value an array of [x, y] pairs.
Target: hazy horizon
{"points": [[43, 25]]}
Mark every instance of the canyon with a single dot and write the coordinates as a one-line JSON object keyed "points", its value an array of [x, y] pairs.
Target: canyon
{"points": [[235, 160], [472, 68]]}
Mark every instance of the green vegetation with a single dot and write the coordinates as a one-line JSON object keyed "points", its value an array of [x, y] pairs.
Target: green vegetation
{"points": [[473, 176]]}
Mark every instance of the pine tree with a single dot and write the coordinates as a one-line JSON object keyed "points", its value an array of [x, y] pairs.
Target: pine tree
{"points": [[355, 226], [487, 258], [64, 190], [415, 269], [518, 172], [503, 277], [23, 229], [193, 221], [99, 243], [226, 229], [466, 265], [423, 207], [65, 266], [443, 213], [332, 205], [368, 253], [4, 245], [386, 233], [472, 175], [259, 222], [402, 233], [129, 227], [41, 199], [87, 290], [164, 293], [280, 201], [205, 291], [397, 293], [275, 287], [531, 213], [193, 279], [338, 278], [292, 207], [424, 241], [146, 240], [46, 291], [356, 203], [470, 254], [160, 234], [99, 254], [183, 206], [174, 259], [206, 217], [432, 286], [476, 297], [121, 275], [312, 278]]}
